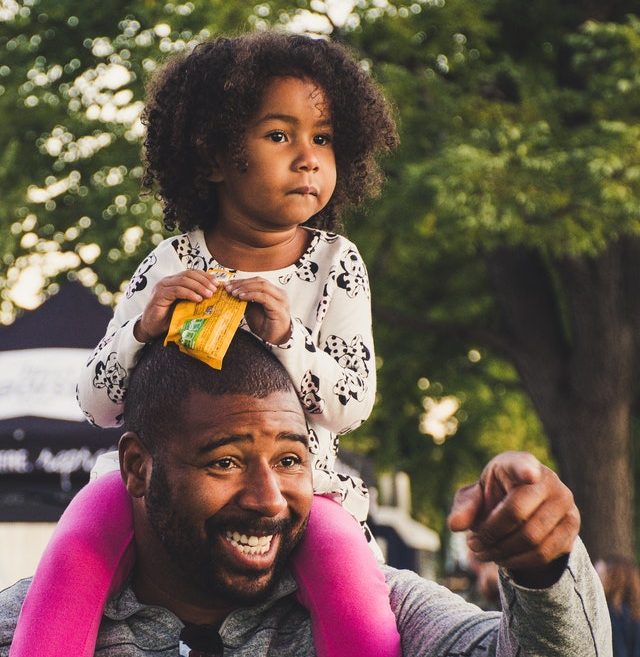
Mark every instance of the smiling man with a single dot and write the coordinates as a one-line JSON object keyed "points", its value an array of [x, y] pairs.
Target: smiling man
{"points": [[217, 465], [221, 488]]}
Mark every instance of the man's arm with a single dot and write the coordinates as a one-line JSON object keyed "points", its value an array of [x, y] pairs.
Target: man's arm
{"points": [[520, 515], [568, 619], [10, 603]]}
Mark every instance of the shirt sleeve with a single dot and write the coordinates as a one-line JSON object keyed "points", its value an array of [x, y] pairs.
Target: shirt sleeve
{"points": [[333, 364], [104, 380], [567, 619]]}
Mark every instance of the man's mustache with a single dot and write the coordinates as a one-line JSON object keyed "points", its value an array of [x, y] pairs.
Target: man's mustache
{"points": [[249, 526]]}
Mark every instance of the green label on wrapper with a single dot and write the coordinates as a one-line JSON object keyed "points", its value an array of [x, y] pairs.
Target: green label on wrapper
{"points": [[190, 331]]}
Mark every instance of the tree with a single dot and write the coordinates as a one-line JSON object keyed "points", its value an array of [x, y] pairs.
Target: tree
{"points": [[502, 253], [524, 193], [72, 82]]}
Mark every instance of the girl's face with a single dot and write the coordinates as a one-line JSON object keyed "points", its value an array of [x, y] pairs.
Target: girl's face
{"points": [[291, 171]]}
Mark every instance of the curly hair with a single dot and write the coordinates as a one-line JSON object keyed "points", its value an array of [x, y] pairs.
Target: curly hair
{"points": [[201, 103]]}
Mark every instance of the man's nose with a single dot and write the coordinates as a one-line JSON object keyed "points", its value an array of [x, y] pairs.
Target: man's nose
{"points": [[261, 492], [307, 159]]}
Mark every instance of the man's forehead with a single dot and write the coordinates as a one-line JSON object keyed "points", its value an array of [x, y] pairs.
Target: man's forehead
{"points": [[278, 412]]}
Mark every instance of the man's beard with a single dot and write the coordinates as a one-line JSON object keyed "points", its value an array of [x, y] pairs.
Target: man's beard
{"points": [[197, 558]]}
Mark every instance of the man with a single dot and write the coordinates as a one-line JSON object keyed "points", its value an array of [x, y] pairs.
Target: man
{"points": [[219, 473]]}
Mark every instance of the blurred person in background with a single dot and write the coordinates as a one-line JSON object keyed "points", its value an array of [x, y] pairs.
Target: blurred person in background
{"points": [[621, 581]]}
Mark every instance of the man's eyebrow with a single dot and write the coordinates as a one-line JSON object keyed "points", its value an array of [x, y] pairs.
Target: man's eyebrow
{"points": [[247, 438], [225, 440], [297, 437], [287, 118]]}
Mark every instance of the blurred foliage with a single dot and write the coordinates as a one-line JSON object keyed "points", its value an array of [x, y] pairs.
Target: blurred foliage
{"points": [[519, 127]]}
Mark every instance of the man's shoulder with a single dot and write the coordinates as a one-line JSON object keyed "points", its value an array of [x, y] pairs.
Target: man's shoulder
{"points": [[10, 604]]}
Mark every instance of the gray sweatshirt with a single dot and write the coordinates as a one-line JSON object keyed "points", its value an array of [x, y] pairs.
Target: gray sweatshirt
{"points": [[568, 619]]}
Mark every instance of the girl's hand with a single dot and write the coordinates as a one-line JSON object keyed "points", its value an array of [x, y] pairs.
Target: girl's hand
{"points": [[191, 285], [268, 310]]}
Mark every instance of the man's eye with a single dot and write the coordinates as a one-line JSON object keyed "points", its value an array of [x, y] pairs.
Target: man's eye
{"points": [[290, 461], [223, 464], [277, 136], [322, 140]]}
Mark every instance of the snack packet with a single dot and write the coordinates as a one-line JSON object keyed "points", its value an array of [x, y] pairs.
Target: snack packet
{"points": [[204, 330]]}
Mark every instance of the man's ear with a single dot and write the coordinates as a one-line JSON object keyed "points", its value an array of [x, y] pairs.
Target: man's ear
{"points": [[136, 464]]}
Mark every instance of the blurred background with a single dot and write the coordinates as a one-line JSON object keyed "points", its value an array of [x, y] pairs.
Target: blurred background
{"points": [[504, 252]]}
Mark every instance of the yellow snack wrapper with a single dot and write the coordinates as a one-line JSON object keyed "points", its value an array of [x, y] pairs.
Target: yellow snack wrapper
{"points": [[204, 330]]}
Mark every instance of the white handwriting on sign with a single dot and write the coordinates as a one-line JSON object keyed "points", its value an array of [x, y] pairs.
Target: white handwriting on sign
{"points": [[67, 461], [63, 462], [15, 461]]}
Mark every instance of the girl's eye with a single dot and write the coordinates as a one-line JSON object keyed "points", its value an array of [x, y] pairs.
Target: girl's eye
{"points": [[277, 136], [322, 140]]}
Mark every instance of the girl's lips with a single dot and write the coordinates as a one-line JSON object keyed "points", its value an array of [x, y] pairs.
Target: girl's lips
{"points": [[307, 189]]}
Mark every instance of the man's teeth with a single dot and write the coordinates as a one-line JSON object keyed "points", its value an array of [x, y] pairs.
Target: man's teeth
{"points": [[249, 544]]}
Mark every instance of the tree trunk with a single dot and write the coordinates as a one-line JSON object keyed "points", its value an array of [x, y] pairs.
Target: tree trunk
{"points": [[592, 447], [568, 324]]}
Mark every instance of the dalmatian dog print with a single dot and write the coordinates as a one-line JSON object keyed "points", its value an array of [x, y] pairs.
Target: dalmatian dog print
{"points": [[139, 279], [189, 254], [101, 345], [306, 271], [329, 238], [322, 462], [314, 443], [353, 277], [350, 386], [354, 356], [353, 484], [112, 376], [309, 397], [87, 415], [327, 294]]}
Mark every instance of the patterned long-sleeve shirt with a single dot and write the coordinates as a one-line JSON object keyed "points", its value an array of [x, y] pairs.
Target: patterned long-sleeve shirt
{"points": [[329, 356]]}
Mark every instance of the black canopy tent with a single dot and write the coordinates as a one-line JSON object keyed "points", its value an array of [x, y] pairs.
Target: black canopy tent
{"points": [[46, 448]]}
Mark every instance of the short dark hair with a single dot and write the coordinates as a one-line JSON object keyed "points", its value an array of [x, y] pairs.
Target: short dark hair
{"points": [[200, 104], [164, 377]]}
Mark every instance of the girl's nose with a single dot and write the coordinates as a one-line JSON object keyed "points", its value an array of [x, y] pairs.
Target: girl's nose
{"points": [[261, 492], [307, 159]]}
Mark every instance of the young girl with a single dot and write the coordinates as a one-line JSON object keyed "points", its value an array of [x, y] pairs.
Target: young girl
{"points": [[255, 144]]}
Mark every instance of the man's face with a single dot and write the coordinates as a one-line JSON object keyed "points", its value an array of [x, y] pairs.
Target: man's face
{"points": [[229, 497]]}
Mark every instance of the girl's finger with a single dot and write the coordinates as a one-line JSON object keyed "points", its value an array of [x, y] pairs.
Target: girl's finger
{"points": [[170, 285], [253, 284], [258, 294], [194, 277], [176, 292], [268, 303]]}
